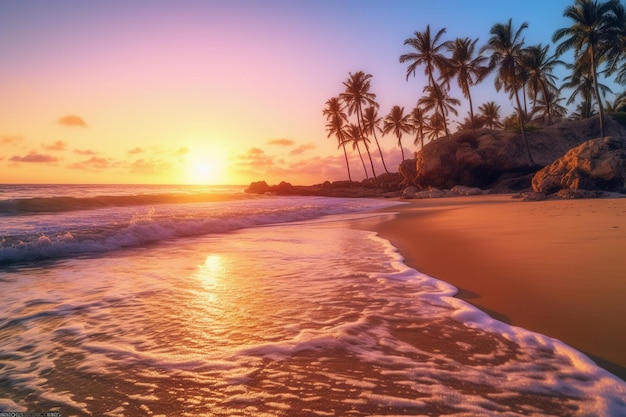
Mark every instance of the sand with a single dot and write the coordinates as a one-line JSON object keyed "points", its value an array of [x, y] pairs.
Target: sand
{"points": [[556, 267]]}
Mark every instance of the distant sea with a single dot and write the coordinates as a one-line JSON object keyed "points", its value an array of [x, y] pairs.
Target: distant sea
{"points": [[207, 301]]}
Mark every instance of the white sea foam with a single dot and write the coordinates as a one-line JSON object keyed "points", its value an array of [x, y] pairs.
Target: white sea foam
{"points": [[306, 318]]}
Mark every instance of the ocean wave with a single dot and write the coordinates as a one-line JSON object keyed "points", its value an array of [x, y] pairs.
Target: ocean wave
{"points": [[64, 236], [60, 204]]}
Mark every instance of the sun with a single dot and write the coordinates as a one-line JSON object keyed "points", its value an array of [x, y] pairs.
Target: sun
{"points": [[205, 171]]}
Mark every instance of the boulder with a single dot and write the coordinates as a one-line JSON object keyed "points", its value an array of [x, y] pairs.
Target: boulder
{"points": [[595, 165], [257, 187], [487, 157], [409, 192], [464, 190], [408, 172]]}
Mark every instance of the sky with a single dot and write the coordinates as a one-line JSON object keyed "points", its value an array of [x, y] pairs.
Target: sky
{"points": [[206, 91]]}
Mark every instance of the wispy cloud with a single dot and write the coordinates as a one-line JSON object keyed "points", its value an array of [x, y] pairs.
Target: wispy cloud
{"points": [[59, 145], [35, 157], [85, 152], [135, 151], [182, 151], [281, 142], [71, 120], [301, 149], [93, 163], [149, 166], [11, 139]]}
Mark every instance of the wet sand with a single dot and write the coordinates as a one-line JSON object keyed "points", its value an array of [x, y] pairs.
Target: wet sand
{"points": [[556, 267]]}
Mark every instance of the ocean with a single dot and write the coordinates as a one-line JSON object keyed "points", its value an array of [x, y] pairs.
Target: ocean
{"points": [[207, 301]]}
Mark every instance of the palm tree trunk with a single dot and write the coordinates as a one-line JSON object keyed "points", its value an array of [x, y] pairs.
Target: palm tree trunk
{"points": [[545, 97], [469, 98], [358, 148], [345, 154], [522, 124], [597, 90], [401, 148], [359, 120], [381, 153]]}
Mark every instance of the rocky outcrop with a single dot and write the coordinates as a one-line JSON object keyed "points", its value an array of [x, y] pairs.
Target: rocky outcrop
{"points": [[497, 159], [408, 171], [595, 165]]}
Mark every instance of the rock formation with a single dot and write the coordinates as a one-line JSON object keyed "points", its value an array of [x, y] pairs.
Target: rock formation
{"points": [[497, 159], [597, 164]]}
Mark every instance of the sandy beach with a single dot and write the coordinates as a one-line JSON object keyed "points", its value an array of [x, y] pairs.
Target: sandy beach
{"points": [[556, 267]]}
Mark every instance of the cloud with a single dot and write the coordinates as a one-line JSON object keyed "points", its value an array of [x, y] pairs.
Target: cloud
{"points": [[281, 142], [85, 152], [35, 158], [182, 151], [144, 166], [301, 149], [59, 145], [9, 139], [135, 151], [92, 163], [71, 120]]}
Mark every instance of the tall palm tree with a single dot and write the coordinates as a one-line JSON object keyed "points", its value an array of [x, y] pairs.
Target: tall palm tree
{"points": [[505, 45], [428, 51], [437, 97], [337, 120], [617, 46], [539, 66], [356, 95], [590, 37], [490, 113], [419, 121], [354, 136], [371, 124], [467, 67], [398, 123]]}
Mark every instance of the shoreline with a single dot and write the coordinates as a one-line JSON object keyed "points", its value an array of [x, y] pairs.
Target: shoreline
{"points": [[554, 267]]}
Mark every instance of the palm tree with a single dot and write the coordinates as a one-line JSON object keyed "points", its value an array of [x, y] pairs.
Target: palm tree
{"points": [[539, 66], [337, 119], [428, 52], [399, 123], [419, 121], [505, 46], [371, 124], [490, 114], [435, 127], [548, 106], [617, 46], [582, 84], [620, 102], [357, 94], [466, 67], [437, 96], [354, 136], [590, 36]]}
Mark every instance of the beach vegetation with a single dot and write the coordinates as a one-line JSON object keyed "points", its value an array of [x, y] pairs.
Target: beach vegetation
{"points": [[505, 46], [354, 136], [597, 37], [371, 125], [419, 119], [428, 51], [490, 115], [538, 66], [398, 123], [336, 126], [357, 94], [466, 66]]}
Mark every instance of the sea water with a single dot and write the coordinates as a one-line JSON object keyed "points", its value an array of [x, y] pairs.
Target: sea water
{"points": [[192, 301]]}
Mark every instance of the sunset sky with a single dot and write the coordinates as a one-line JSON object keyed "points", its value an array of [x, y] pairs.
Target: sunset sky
{"points": [[152, 91]]}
